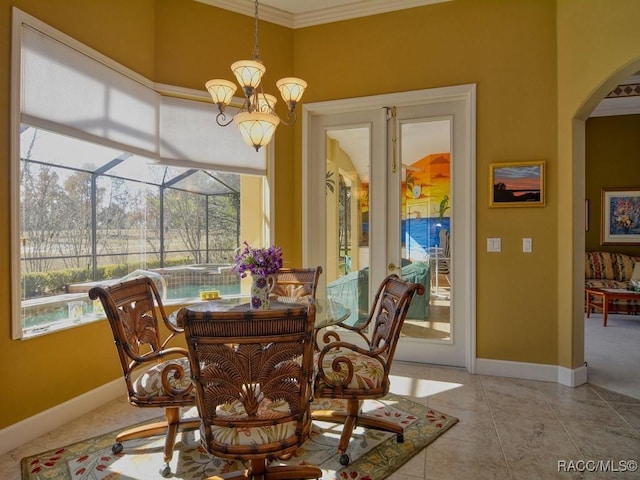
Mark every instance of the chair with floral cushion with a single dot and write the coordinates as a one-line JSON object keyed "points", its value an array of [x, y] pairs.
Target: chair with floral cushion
{"points": [[155, 374], [253, 373], [355, 372], [296, 283]]}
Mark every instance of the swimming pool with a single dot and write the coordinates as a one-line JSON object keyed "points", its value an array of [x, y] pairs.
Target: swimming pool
{"points": [[193, 291], [174, 283]]}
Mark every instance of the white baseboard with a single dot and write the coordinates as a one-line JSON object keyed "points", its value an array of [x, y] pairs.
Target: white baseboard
{"points": [[26, 430], [532, 371], [572, 377]]}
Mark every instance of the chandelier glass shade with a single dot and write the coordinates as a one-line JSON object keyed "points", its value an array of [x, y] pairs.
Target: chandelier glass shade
{"points": [[256, 128], [257, 119]]}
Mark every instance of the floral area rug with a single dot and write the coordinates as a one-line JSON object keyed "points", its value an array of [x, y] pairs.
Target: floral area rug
{"points": [[374, 454]]}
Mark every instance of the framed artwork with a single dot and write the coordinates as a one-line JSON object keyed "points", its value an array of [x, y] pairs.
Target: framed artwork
{"points": [[620, 216], [586, 215], [517, 184]]}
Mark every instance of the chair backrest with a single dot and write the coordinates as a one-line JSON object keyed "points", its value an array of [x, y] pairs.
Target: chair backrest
{"points": [[296, 282], [132, 308], [388, 312], [252, 370]]}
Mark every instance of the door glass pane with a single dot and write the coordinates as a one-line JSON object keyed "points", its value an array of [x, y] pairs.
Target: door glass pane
{"points": [[347, 206], [425, 151]]}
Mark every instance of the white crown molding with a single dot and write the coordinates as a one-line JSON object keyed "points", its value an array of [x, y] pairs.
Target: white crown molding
{"points": [[246, 7], [349, 10], [358, 9]]}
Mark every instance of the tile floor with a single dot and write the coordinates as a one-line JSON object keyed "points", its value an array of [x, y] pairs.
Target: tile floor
{"points": [[508, 429]]}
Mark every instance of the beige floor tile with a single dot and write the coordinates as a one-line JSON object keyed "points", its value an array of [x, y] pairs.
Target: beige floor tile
{"points": [[537, 464], [504, 405], [587, 413], [452, 458], [610, 396], [10, 467], [451, 374], [629, 412], [508, 428], [605, 442], [414, 468], [472, 426], [522, 433], [533, 447], [557, 393], [465, 397]]}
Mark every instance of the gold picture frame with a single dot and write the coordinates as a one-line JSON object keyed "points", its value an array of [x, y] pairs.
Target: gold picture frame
{"points": [[517, 184]]}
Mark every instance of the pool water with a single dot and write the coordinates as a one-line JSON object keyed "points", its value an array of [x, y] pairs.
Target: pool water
{"points": [[61, 312], [193, 291]]}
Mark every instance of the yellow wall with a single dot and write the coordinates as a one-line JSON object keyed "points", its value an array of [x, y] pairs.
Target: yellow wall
{"points": [[598, 45], [52, 369], [535, 64], [508, 49], [167, 41], [612, 161]]}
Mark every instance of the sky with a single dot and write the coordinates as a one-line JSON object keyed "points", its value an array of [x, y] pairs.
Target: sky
{"points": [[518, 178]]}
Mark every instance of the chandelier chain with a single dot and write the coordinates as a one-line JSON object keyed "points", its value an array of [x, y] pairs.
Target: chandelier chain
{"points": [[256, 48]]}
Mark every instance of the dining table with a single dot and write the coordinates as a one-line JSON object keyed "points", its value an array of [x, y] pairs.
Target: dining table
{"points": [[328, 311]]}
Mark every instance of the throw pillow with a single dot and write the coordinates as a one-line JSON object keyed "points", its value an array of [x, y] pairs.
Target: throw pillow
{"points": [[635, 276]]}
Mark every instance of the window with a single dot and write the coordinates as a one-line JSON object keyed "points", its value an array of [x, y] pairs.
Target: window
{"points": [[92, 214], [110, 178]]}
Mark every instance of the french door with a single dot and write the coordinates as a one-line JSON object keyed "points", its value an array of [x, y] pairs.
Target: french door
{"points": [[389, 188]]}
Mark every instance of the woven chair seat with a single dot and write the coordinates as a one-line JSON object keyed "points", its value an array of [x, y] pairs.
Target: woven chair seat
{"points": [[268, 410], [368, 372], [149, 384]]}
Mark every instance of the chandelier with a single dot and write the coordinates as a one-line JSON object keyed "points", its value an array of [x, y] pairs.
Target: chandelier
{"points": [[256, 120]]}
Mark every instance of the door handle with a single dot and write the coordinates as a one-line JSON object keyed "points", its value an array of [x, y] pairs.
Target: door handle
{"points": [[391, 266]]}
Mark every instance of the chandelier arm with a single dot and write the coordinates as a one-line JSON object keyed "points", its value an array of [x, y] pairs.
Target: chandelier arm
{"points": [[220, 119], [290, 119]]}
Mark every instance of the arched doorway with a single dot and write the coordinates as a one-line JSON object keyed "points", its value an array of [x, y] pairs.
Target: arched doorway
{"points": [[596, 103]]}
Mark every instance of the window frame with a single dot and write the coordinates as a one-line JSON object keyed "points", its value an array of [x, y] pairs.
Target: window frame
{"points": [[22, 20]]}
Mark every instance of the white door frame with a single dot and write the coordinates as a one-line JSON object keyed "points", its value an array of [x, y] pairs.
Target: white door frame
{"points": [[311, 182]]}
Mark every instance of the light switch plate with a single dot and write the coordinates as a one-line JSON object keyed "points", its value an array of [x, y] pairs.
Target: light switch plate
{"points": [[494, 245], [527, 245]]}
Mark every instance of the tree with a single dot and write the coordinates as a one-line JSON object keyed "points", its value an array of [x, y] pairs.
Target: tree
{"points": [[40, 200], [116, 197], [75, 226], [185, 212]]}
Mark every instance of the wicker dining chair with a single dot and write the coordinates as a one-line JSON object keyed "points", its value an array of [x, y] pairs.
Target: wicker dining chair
{"points": [[354, 373], [155, 374], [296, 282], [253, 374]]}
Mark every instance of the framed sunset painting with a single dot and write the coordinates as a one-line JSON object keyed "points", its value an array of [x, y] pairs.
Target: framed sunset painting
{"points": [[517, 184]]}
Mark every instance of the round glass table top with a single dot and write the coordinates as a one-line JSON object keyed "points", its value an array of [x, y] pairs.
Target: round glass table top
{"points": [[328, 312]]}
